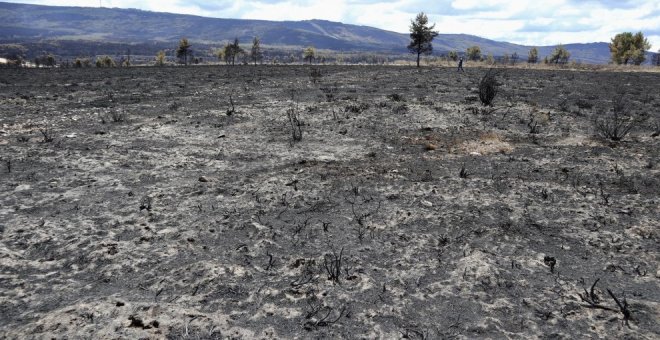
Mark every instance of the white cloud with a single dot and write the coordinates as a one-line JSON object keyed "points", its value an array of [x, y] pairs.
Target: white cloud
{"points": [[530, 22]]}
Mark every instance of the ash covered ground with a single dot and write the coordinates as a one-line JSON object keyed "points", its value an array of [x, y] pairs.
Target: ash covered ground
{"points": [[175, 203]]}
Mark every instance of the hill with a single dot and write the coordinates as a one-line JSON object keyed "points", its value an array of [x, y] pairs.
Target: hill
{"points": [[104, 29]]}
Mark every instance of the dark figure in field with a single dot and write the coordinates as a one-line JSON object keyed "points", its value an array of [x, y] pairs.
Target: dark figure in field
{"points": [[460, 65]]}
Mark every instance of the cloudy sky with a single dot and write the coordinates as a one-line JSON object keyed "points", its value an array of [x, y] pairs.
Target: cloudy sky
{"points": [[529, 22]]}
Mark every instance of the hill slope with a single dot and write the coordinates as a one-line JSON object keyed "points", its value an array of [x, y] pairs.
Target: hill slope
{"points": [[22, 23]]}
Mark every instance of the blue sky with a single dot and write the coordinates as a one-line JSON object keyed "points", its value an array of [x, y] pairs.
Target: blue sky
{"points": [[529, 22]]}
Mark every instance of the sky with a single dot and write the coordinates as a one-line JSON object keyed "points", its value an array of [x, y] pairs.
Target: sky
{"points": [[527, 22]]}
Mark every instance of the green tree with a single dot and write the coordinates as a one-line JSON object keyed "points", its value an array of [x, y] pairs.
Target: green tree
{"points": [[474, 53], [656, 59], [421, 36], [626, 47], [160, 58], [308, 54], [231, 51], [255, 52], [184, 51], [105, 61], [560, 55], [533, 56], [453, 55]]}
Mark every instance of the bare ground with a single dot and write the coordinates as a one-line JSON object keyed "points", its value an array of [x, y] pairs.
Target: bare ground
{"points": [[158, 211]]}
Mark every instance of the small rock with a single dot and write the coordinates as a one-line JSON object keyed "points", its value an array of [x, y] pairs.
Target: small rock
{"points": [[427, 204], [430, 147], [203, 179]]}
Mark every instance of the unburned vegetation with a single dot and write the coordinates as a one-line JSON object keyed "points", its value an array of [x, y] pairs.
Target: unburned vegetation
{"points": [[338, 201]]}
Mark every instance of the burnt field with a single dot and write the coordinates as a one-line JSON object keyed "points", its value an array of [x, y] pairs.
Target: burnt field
{"points": [[339, 201]]}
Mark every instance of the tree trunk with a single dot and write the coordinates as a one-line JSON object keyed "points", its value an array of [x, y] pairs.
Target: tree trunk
{"points": [[418, 54]]}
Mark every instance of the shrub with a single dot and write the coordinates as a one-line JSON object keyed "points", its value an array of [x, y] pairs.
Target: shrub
{"points": [[617, 124], [488, 88]]}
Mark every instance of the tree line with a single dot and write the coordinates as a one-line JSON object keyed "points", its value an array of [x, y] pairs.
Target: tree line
{"points": [[625, 47]]}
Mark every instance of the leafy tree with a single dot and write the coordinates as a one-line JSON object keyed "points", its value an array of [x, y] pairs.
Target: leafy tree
{"points": [[490, 59], [452, 55], [184, 51], [421, 36], [474, 53], [560, 55], [255, 53], [160, 58], [308, 54], [105, 61], [514, 58], [626, 47], [231, 51], [533, 56]]}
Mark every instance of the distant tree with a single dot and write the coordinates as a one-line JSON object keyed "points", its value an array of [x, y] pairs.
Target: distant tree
{"points": [[50, 60], [308, 54], [626, 47], [560, 55], [533, 56], [452, 55], [421, 36], [184, 51], [255, 52], [232, 51], [506, 59], [490, 59], [160, 58], [474, 53], [105, 61], [656, 59], [514, 58]]}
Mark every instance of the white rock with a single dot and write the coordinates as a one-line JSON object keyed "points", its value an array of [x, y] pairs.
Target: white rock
{"points": [[427, 203]]}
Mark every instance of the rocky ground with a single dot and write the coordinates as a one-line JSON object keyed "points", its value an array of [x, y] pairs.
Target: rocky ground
{"points": [[175, 203]]}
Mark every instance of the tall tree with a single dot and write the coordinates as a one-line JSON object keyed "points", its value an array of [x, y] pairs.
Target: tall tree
{"points": [[626, 47], [184, 50], [560, 55], [421, 36], [232, 51], [533, 56], [308, 54], [255, 53], [474, 53]]}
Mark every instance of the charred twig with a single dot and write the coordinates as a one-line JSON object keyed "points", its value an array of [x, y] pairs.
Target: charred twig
{"points": [[463, 173], [231, 110], [592, 299], [623, 307], [270, 261], [332, 264]]}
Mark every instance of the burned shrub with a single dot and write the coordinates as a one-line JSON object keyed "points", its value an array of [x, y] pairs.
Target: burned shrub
{"points": [[315, 75], [293, 116], [396, 97], [616, 124], [354, 108], [488, 88]]}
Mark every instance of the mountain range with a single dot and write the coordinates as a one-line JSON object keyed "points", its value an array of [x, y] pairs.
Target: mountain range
{"points": [[104, 30]]}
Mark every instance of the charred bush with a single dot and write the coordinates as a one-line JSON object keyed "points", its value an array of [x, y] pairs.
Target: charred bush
{"points": [[488, 88], [616, 124]]}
